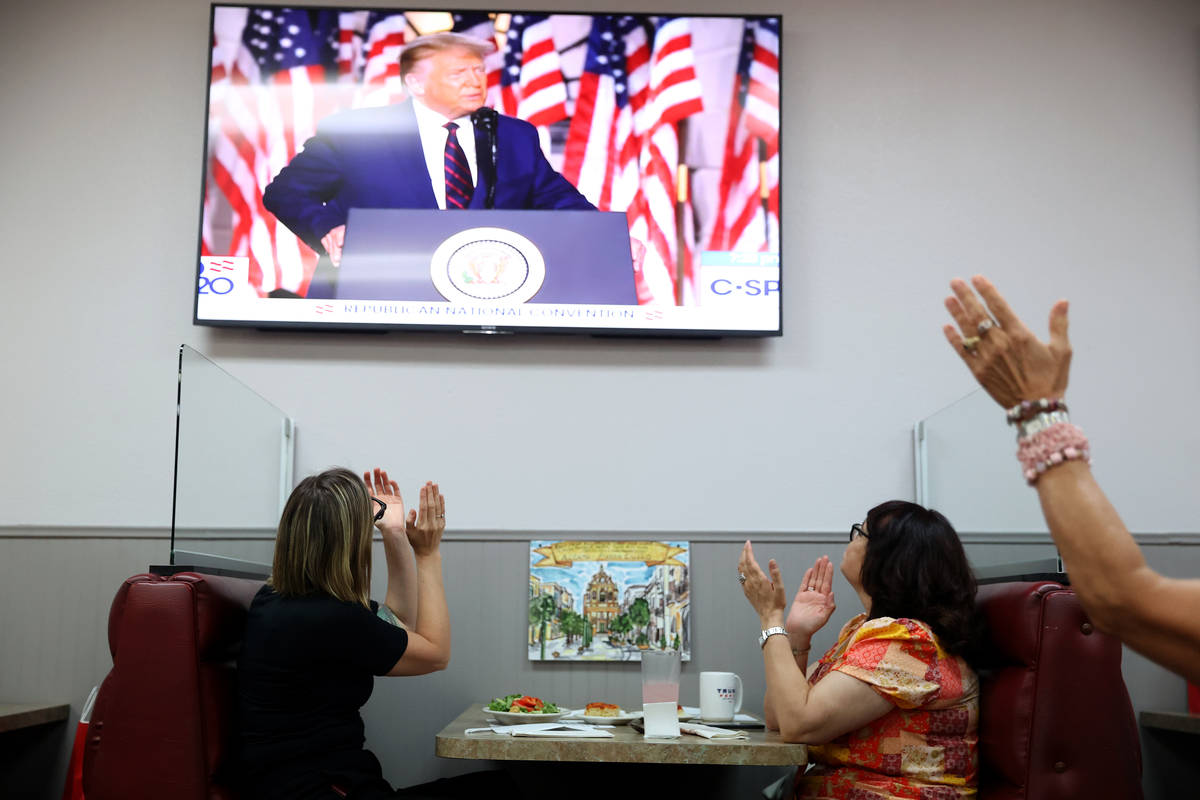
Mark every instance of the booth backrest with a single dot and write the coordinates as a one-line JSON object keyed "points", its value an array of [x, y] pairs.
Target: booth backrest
{"points": [[1055, 718], [162, 720]]}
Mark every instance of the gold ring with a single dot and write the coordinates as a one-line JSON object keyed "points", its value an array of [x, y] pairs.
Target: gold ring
{"points": [[969, 343]]}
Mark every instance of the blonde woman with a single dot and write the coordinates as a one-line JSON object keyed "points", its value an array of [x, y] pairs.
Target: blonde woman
{"points": [[315, 641]]}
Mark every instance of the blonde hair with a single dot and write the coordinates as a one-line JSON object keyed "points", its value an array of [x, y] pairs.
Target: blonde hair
{"points": [[323, 545], [423, 47]]}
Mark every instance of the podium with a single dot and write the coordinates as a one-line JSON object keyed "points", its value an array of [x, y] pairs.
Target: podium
{"points": [[490, 256]]}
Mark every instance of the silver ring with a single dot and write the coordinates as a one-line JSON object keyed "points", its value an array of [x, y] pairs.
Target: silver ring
{"points": [[741, 578], [441, 516], [985, 326]]}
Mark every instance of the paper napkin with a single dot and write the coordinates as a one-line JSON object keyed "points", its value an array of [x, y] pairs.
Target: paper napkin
{"points": [[575, 730], [709, 732]]}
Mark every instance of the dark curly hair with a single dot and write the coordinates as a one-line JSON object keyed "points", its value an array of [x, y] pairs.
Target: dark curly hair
{"points": [[915, 568]]}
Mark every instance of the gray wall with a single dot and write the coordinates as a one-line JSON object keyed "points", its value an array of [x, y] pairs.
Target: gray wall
{"points": [[1052, 146], [56, 590]]}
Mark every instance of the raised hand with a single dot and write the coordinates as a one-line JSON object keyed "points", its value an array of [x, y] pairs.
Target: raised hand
{"points": [[813, 605], [383, 488], [764, 593], [426, 528], [1007, 359]]}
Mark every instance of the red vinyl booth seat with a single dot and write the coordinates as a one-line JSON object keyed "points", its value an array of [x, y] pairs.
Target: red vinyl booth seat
{"points": [[163, 717], [1055, 718], [1055, 721]]}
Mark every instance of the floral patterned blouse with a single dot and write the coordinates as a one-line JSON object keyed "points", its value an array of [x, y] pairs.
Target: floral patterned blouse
{"points": [[926, 748]]}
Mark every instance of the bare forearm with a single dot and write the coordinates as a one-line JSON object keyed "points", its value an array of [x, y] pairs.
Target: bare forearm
{"points": [[787, 689], [800, 659], [1155, 615], [1100, 554], [401, 595], [434, 621]]}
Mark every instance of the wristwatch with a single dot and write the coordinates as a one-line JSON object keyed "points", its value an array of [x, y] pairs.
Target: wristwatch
{"points": [[768, 633]]}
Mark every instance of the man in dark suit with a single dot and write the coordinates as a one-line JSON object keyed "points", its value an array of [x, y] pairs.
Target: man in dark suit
{"points": [[425, 153]]}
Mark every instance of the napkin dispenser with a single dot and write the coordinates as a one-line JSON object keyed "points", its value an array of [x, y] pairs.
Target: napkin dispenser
{"points": [[661, 720]]}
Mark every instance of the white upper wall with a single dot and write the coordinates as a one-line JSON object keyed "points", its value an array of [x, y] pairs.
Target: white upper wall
{"points": [[1052, 146]]}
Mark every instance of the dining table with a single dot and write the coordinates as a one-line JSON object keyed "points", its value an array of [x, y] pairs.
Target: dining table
{"points": [[627, 746]]}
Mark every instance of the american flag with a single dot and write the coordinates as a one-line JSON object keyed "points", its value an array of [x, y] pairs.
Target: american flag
{"points": [[481, 26], [531, 81], [675, 94], [603, 141], [689, 294], [622, 148], [385, 35], [206, 231], [747, 215], [264, 104], [352, 27]]}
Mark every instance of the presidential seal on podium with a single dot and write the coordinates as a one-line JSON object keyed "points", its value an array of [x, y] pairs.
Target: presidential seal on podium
{"points": [[487, 265]]}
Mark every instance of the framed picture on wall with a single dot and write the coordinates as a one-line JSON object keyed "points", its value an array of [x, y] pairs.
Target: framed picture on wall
{"points": [[608, 600]]}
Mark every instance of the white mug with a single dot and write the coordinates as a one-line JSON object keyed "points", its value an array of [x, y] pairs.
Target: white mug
{"points": [[720, 696]]}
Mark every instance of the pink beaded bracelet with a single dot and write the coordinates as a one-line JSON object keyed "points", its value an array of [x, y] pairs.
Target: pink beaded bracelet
{"points": [[1052, 446]]}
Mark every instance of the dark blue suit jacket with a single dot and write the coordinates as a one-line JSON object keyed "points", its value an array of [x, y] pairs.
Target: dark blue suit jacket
{"points": [[372, 158]]}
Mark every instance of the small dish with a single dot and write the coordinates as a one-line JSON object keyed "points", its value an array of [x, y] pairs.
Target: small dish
{"points": [[522, 717], [620, 719]]}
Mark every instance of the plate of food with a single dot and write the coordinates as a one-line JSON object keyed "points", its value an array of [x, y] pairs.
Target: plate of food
{"points": [[517, 709], [605, 714]]}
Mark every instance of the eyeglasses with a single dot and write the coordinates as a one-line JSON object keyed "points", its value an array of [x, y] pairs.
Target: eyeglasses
{"points": [[857, 530], [382, 509]]}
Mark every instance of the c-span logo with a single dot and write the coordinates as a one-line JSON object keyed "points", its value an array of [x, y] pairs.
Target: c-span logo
{"points": [[489, 265]]}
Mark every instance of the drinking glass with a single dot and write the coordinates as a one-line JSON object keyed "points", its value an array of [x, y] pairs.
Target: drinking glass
{"points": [[660, 676]]}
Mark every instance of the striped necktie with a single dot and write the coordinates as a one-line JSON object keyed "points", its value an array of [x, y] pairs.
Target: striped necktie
{"points": [[458, 175]]}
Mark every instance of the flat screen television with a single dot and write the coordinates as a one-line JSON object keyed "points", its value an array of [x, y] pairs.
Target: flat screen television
{"points": [[491, 172]]}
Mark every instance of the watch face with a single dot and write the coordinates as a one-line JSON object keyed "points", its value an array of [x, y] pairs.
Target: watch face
{"points": [[768, 633]]}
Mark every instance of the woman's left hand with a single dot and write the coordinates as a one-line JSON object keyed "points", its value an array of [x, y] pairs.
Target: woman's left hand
{"points": [[425, 531], [813, 604], [765, 593]]}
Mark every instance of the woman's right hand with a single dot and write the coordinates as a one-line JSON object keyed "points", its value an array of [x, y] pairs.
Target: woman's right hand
{"points": [[813, 604], [425, 529], [386, 490], [1007, 359]]}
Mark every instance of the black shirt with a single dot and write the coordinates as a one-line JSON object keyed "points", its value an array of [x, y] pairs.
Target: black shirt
{"points": [[306, 668]]}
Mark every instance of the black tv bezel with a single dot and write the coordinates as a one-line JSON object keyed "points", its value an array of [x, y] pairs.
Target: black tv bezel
{"points": [[485, 330]]}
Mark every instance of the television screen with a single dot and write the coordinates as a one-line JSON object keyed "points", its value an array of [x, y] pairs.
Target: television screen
{"points": [[491, 172]]}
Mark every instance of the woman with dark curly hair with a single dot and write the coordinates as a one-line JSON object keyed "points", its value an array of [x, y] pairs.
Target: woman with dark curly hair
{"points": [[892, 709]]}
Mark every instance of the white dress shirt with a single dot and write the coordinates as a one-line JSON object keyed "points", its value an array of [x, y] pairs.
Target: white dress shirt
{"points": [[433, 142]]}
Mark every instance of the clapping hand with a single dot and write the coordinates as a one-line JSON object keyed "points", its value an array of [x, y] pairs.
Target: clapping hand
{"points": [[1007, 359], [426, 528], [764, 593], [387, 491], [813, 604]]}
